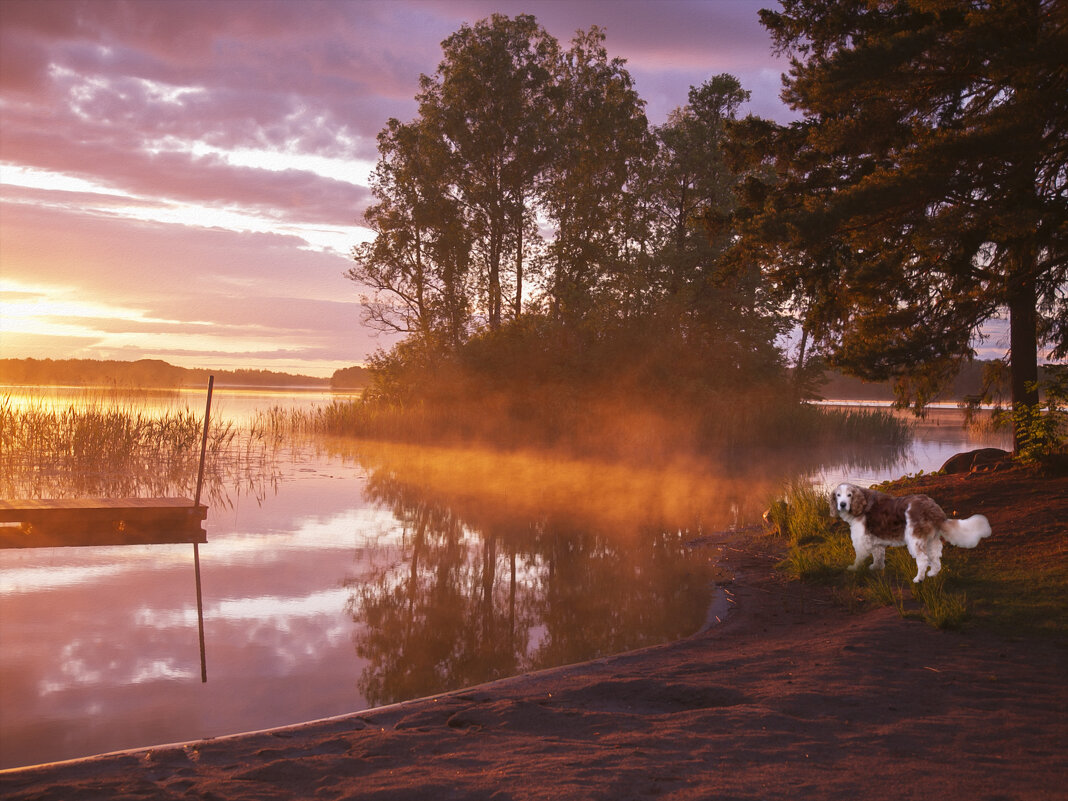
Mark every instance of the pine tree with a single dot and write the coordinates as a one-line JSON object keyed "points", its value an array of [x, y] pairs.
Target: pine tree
{"points": [[925, 190]]}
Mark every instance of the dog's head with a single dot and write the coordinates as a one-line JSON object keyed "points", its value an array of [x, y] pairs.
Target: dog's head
{"points": [[848, 499]]}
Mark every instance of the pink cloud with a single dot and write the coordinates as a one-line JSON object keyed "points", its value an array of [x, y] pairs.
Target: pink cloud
{"points": [[177, 281], [256, 62], [121, 93], [291, 195], [111, 256]]}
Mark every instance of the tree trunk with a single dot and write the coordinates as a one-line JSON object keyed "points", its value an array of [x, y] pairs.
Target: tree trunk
{"points": [[1023, 289], [495, 292], [800, 366], [518, 308]]}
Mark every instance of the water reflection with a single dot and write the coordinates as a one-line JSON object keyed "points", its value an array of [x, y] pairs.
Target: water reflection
{"points": [[355, 574], [469, 596], [940, 434]]}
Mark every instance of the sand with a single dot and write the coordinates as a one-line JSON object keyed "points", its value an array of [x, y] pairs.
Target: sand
{"points": [[791, 696]]}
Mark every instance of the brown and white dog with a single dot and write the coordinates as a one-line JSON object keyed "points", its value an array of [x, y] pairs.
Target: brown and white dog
{"points": [[877, 521]]}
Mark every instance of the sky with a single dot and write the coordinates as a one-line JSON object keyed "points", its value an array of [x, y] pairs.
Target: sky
{"points": [[185, 180]]}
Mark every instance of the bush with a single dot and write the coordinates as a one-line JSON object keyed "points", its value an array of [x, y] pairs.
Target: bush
{"points": [[1041, 432]]}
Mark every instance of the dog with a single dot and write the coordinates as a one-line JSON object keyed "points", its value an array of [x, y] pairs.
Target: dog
{"points": [[878, 521]]}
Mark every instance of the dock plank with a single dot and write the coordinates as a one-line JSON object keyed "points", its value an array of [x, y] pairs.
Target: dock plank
{"points": [[52, 522], [11, 509]]}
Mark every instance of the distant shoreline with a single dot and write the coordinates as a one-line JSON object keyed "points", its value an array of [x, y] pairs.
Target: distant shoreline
{"points": [[157, 374], [326, 387]]}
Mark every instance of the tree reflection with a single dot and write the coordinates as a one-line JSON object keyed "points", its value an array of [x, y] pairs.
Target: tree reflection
{"points": [[436, 617], [597, 597], [474, 593]]}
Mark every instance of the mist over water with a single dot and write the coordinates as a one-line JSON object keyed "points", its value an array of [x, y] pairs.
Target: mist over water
{"points": [[350, 574]]}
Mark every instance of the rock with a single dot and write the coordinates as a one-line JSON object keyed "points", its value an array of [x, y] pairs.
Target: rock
{"points": [[980, 460]]}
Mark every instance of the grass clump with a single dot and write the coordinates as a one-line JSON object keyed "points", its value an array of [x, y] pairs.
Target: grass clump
{"points": [[816, 553], [942, 608]]}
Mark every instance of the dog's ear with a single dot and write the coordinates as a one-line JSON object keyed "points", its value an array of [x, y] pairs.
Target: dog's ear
{"points": [[860, 502], [832, 501]]}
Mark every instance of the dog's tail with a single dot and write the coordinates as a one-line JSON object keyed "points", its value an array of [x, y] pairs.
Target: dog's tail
{"points": [[966, 533]]}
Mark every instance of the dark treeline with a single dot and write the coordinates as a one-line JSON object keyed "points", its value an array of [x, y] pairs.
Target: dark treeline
{"points": [[563, 269], [153, 373], [974, 379]]}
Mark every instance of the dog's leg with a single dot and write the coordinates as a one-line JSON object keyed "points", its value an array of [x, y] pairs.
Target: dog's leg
{"points": [[858, 532], [916, 549], [879, 562], [862, 555], [934, 553]]}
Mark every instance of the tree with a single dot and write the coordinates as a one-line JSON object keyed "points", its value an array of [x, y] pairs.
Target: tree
{"points": [[720, 307], [926, 185], [600, 141], [490, 104], [693, 176], [417, 264], [524, 202]]}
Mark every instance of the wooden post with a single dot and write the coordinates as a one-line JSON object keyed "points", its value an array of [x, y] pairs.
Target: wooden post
{"points": [[196, 546], [204, 442]]}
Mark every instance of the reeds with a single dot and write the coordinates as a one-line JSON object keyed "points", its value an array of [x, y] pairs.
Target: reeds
{"points": [[97, 448]]}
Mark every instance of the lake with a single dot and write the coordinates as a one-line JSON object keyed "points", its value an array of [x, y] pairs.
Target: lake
{"points": [[348, 575]]}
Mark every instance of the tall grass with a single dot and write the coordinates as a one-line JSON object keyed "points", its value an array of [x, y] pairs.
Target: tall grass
{"points": [[98, 448]]}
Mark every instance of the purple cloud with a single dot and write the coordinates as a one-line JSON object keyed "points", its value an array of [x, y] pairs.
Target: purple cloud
{"points": [[153, 103]]}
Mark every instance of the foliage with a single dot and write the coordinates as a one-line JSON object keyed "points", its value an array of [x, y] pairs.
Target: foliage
{"points": [[591, 192], [605, 399], [349, 378], [924, 191], [1042, 432], [1041, 428]]}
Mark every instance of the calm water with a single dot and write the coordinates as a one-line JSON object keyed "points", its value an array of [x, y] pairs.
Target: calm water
{"points": [[357, 575]]}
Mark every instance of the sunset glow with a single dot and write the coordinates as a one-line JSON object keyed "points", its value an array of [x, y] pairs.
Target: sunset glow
{"points": [[187, 182]]}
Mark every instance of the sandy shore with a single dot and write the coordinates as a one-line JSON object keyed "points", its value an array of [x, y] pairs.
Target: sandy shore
{"points": [[789, 697]]}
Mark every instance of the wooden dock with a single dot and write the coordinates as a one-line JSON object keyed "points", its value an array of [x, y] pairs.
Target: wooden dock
{"points": [[47, 523]]}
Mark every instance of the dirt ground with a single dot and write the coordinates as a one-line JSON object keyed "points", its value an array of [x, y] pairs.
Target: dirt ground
{"points": [[791, 696]]}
